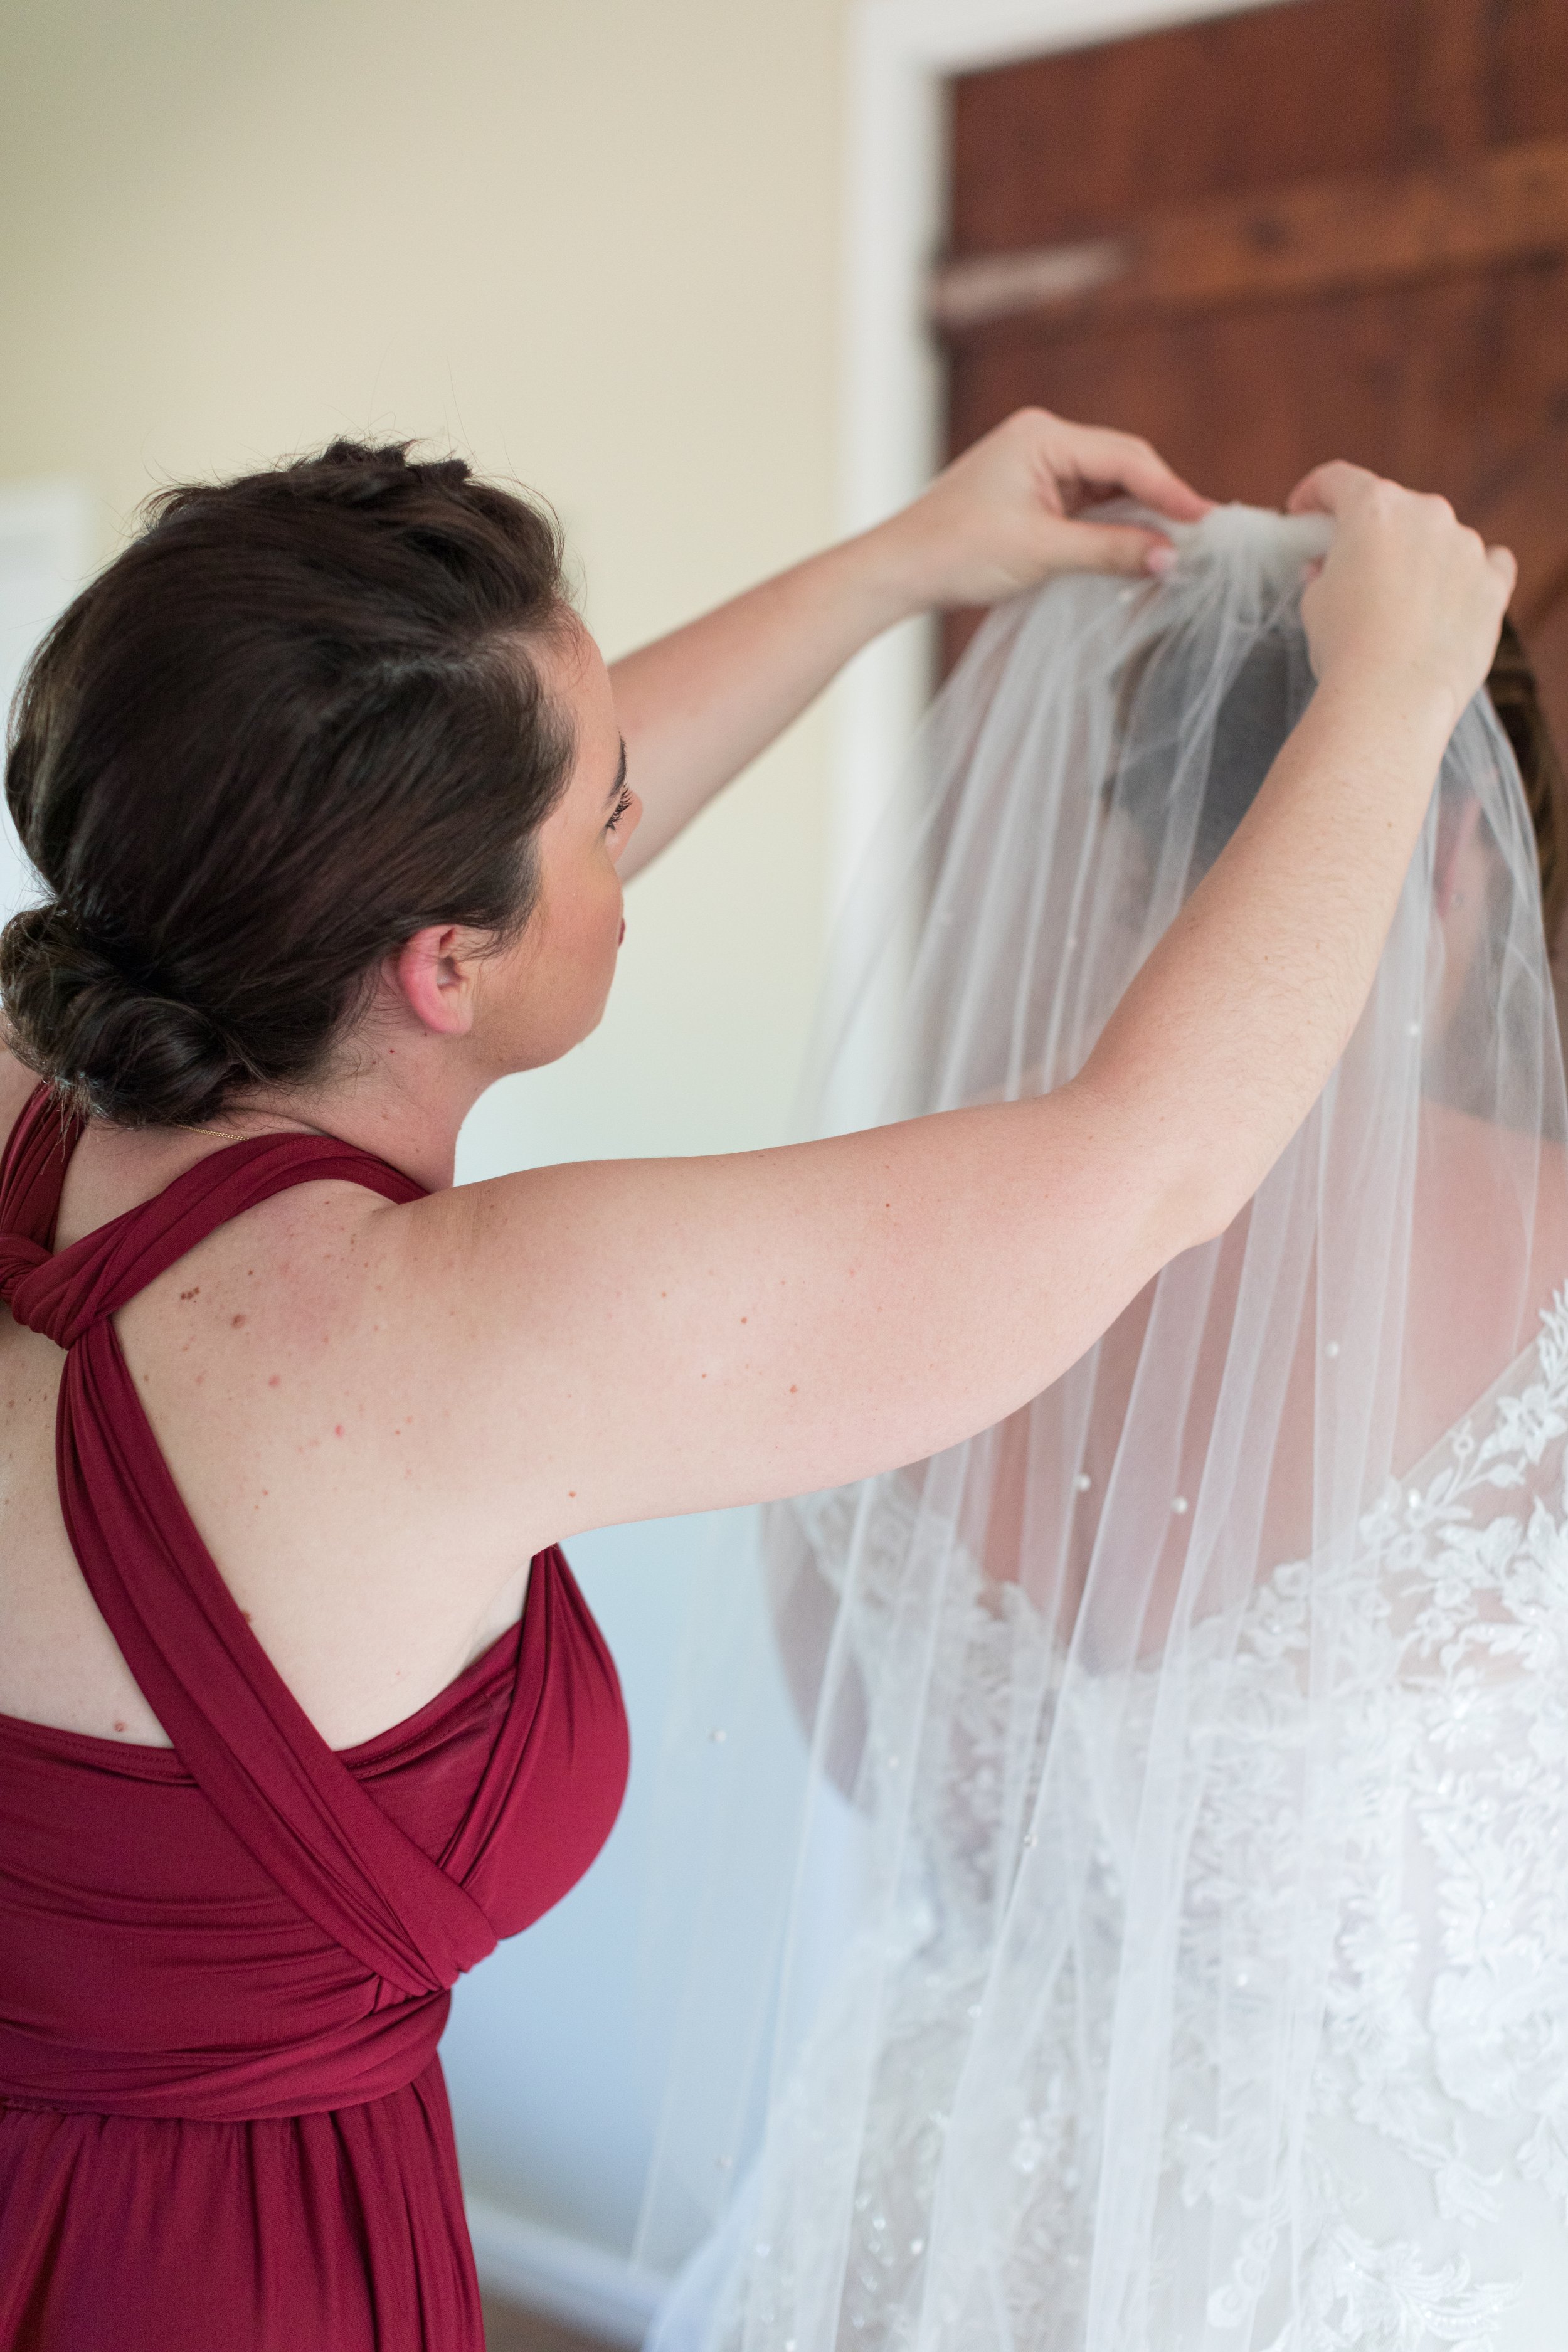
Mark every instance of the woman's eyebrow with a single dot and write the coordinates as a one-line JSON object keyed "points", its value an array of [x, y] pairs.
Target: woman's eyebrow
{"points": [[615, 791]]}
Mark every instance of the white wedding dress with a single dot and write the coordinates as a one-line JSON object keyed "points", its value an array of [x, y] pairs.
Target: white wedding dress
{"points": [[1201, 1973]]}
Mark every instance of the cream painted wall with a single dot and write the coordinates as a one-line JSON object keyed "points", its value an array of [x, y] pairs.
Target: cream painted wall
{"points": [[590, 241], [593, 243]]}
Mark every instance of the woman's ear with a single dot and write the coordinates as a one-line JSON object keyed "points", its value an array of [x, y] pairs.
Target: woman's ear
{"points": [[437, 974]]}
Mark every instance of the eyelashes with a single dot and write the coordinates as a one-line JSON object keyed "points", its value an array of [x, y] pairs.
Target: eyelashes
{"points": [[620, 808]]}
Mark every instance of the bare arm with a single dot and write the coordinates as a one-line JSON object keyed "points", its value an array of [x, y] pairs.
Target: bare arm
{"points": [[700, 705], [635, 1339]]}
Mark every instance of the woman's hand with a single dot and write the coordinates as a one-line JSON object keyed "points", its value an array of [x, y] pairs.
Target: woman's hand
{"points": [[1002, 516], [1406, 596], [697, 706]]}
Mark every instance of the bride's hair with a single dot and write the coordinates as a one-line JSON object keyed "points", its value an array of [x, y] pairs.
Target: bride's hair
{"points": [[293, 723], [1517, 701], [1255, 713]]}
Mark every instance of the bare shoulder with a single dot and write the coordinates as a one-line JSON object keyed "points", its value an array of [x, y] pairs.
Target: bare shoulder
{"points": [[627, 1340]]}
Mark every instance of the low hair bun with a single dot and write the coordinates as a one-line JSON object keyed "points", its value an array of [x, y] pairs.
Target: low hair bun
{"points": [[297, 721], [116, 1047]]}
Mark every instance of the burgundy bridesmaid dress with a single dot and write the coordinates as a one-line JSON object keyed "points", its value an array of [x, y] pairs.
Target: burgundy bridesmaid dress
{"points": [[224, 1966]]}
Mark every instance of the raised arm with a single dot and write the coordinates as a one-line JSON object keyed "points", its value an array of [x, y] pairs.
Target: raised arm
{"points": [[699, 706], [635, 1339]]}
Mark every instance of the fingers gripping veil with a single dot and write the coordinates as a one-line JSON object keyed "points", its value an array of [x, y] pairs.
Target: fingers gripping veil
{"points": [[1164, 1944]]}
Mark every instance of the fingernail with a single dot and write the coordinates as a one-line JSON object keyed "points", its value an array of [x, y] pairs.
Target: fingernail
{"points": [[1159, 559]]}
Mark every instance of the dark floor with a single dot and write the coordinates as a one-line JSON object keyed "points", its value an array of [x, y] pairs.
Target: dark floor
{"points": [[507, 2329]]}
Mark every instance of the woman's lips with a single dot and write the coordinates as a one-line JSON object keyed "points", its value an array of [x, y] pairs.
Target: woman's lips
{"points": [[623, 930]]}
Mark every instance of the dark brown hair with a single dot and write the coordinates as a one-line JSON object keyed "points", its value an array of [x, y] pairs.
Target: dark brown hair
{"points": [[293, 723], [1260, 705], [1517, 702]]}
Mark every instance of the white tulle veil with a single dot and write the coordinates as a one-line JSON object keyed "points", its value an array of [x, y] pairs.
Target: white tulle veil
{"points": [[1088, 1939]]}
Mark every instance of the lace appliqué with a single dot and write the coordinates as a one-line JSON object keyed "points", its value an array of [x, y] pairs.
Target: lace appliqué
{"points": [[1362, 2063]]}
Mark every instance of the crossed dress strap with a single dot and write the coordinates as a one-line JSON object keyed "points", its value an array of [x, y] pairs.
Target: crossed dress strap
{"points": [[234, 1723]]}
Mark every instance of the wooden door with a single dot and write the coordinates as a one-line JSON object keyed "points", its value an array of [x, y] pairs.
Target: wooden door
{"points": [[1330, 228]]}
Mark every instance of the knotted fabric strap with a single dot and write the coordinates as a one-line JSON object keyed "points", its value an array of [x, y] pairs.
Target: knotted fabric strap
{"points": [[234, 1723]]}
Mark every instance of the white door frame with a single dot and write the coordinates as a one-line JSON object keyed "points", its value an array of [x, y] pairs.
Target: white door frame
{"points": [[899, 53]]}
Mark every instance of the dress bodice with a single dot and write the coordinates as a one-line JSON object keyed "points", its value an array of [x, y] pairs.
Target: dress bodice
{"points": [[1382, 1887], [248, 1923]]}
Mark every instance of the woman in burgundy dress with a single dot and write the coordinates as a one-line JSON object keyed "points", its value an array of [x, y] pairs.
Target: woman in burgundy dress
{"points": [[299, 1707]]}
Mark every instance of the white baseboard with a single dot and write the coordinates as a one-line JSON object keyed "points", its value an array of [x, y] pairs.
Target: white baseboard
{"points": [[562, 2278]]}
